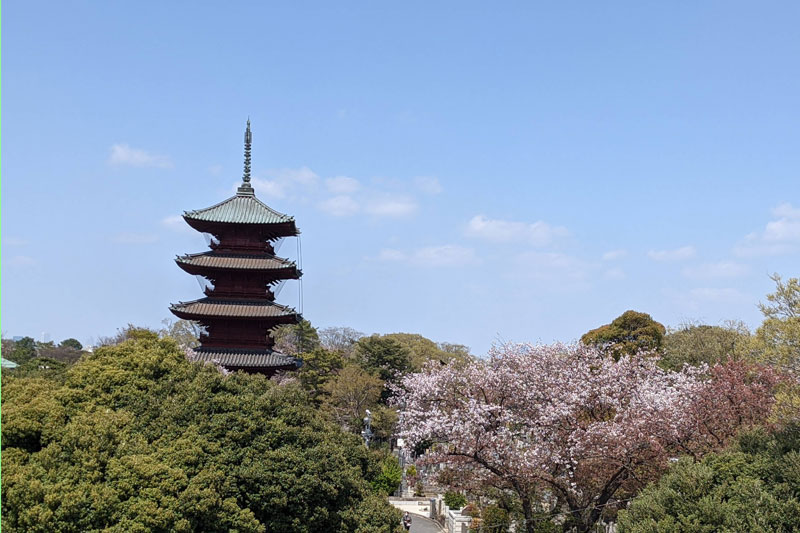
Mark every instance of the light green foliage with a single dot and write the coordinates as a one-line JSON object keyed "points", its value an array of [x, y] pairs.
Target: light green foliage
{"points": [[422, 350], [454, 500], [753, 487], [390, 476], [185, 332], [138, 439], [630, 332], [349, 395], [695, 344], [778, 338]]}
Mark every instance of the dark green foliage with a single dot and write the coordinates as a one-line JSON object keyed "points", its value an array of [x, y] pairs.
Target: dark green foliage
{"points": [[383, 356], [455, 500], [71, 343], [136, 438], [753, 487], [23, 350], [495, 519], [319, 367], [630, 332]]}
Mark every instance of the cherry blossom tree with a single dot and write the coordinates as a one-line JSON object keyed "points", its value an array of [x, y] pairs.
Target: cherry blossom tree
{"points": [[567, 419]]}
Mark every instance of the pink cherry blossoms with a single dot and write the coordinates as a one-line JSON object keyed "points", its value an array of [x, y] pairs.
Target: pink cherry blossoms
{"points": [[563, 421]]}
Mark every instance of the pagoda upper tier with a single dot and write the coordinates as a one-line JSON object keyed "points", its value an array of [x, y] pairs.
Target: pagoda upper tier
{"points": [[239, 310]]}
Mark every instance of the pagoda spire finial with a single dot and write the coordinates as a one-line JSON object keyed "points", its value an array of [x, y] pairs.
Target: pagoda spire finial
{"points": [[246, 188]]}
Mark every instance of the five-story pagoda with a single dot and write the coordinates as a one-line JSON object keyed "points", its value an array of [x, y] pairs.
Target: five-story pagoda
{"points": [[239, 309]]}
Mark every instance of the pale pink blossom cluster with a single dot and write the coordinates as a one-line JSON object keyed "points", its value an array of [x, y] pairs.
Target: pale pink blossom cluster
{"points": [[566, 419]]}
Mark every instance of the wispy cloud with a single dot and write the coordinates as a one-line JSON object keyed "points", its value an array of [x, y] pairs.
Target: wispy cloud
{"points": [[497, 230], [177, 224], [12, 241], [553, 266], [611, 255], [614, 274], [295, 183], [721, 270], [340, 206], [22, 261], [432, 256], [134, 238], [678, 254], [342, 185], [391, 206], [780, 236], [124, 155], [428, 184]]}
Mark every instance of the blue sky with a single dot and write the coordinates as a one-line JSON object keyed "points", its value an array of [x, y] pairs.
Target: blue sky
{"points": [[472, 172]]}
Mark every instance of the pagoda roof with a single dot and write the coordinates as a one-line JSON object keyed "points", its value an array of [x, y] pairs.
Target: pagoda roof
{"points": [[232, 358], [244, 208], [215, 307], [235, 261]]}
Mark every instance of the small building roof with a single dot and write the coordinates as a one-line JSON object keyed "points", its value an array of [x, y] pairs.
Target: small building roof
{"points": [[8, 364], [235, 261], [244, 358], [214, 307]]}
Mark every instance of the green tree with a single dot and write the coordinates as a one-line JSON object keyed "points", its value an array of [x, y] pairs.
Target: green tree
{"points": [[319, 367], [383, 356], [296, 339], [421, 350], [71, 343], [695, 344], [137, 438], [350, 394], [185, 332], [630, 332], [778, 338], [24, 350], [753, 487], [390, 475]]}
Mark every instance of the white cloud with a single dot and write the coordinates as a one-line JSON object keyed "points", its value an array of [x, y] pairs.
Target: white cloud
{"points": [[496, 230], [124, 155], [614, 254], [779, 236], [721, 270], [446, 255], [134, 238], [678, 254], [22, 261], [340, 206], [614, 274], [389, 206], [388, 254], [342, 185], [432, 256], [428, 184], [177, 224], [553, 266], [285, 182]]}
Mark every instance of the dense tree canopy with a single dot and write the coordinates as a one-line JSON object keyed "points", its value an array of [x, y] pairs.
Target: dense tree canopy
{"points": [[136, 438], [695, 344], [753, 487], [630, 332]]}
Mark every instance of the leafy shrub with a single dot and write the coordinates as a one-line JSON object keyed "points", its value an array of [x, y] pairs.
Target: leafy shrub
{"points": [[455, 500]]}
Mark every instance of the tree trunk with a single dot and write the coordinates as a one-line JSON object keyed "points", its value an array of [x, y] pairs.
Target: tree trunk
{"points": [[530, 525]]}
